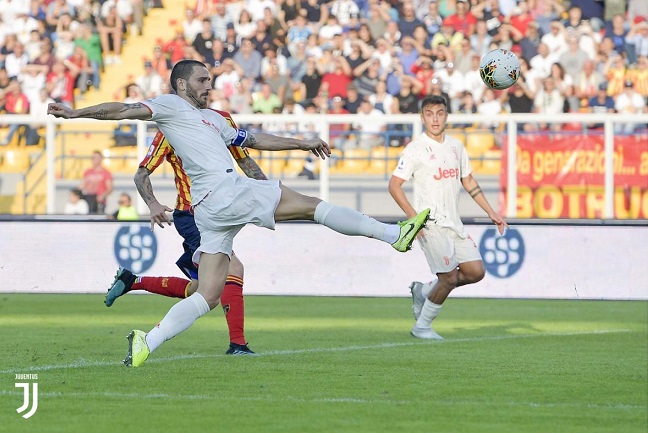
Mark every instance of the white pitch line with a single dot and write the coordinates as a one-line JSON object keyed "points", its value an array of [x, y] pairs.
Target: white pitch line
{"points": [[352, 400], [82, 363]]}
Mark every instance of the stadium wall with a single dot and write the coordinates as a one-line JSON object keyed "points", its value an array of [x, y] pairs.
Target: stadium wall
{"points": [[532, 260]]}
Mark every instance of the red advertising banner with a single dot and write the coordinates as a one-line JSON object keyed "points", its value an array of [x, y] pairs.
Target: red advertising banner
{"points": [[563, 177]]}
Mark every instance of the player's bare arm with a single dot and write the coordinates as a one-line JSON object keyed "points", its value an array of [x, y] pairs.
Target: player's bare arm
{"points": [[105, 111], [399, 196], [251, 168], [263, 141], [474, 190], [145, 190]]}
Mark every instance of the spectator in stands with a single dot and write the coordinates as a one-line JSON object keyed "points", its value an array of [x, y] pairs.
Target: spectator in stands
{"points": [[16, 60], [353, 100], [279, 83], [272, 57], [80, 68], [241, 100], [614, 71], [588, 81], [231, 74], [336, 82], [249, 59], [574, 58], [562, 80], [32, 46], [110, 27], [150, 82], [55, 11], [530, 41], [265, 101], [392, 35], [312, 49], [641, 76], [637, 39], [4, 83], [32, 80], [60, 84], [423, 72], [192, 26], [369, 126], [376, 20], [408, 55], [601, 103], [257, 8], [541, 64], [220, 18], [548, 100], [329, 30], [97, 184], [203, 42], [175, 47], [432, 19], [288, 13], [217, 57], [617, 31], [311, 81], [299, 32], [245, 27], [367, 76], [407, 21], [381, 100], [161, 62], [317, 13], [261, 38], [339, 132], [133, 94], [46, 58], [296, 64], [345, 10], [473, 83], [462, 20], [447, 36], [16, 102], [520, 100], [126, 211], [76, 205], [489, 106], [555, 40], [91, 45], [463, 60], [407, 99], [631, 102], [453, 83], [481, 39]]}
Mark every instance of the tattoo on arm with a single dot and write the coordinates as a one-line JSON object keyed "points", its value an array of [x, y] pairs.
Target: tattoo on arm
{"points": [[251, 141], [135, 105], [144, 187], [101, 114], [475, 191], [251, 168]]}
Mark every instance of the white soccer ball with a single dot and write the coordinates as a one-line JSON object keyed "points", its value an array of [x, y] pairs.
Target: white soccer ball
{"points": [[499, 69]]}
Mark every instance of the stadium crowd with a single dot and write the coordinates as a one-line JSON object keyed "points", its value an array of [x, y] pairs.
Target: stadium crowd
{"points": [[370, 57]]}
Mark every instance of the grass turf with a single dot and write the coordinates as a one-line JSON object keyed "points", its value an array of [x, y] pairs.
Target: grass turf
{"points": [[330, 364]]}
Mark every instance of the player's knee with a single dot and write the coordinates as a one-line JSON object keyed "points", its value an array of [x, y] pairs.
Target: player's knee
{"points": [[235, 267], [193, 286], [449, 280]]}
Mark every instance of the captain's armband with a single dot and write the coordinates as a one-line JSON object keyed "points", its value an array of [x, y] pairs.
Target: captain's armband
{"points": [[241, 138]]}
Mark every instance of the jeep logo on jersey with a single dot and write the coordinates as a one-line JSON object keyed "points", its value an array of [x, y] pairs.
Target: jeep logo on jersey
{"points": [[135, 247], [503, 255]]}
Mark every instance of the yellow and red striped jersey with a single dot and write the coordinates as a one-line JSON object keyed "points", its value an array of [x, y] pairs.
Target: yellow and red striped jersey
{"points": [[160, 149]]}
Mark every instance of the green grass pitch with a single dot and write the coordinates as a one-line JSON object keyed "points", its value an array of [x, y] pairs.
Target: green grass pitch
{"points": [[330, 365]]}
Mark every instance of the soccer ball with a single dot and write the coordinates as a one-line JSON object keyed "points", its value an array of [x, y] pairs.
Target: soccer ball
{"points": [[499, 69]]}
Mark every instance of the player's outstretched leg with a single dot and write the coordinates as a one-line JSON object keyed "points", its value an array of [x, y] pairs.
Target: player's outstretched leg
{"points": [[350, 222], [126, 281]]}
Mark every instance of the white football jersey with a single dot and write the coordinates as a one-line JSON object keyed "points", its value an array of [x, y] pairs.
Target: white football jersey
{"points": [[199, 138], [437, 170]]}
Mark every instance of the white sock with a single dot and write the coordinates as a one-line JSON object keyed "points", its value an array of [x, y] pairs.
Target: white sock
{"points": [[427, 287], [429, 311], [353, 223], [180, 317]]}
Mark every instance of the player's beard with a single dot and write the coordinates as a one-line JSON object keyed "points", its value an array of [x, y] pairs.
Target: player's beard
{"points": [[193, 95]]}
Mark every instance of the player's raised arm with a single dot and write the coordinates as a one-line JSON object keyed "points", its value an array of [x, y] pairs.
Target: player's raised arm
{"points": [[263, 141], [104, 111]]}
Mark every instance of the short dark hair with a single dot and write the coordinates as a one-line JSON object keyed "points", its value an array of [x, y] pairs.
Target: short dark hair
{"points": [[183, 69], [434, 100]]}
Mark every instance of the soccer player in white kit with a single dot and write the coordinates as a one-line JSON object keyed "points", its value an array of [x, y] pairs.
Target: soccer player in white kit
{"points": [[439, 166], [222, 200]]}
